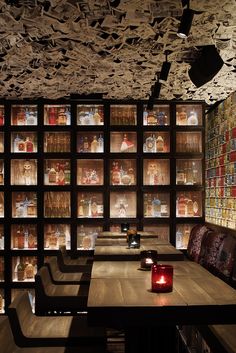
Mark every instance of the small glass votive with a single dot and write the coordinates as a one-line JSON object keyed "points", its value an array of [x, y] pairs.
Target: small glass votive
{"points": [[162, 278], [133, 239], [148, 258], [124, 227]]}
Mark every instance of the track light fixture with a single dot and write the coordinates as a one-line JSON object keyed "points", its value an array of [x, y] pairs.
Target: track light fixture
{"points": [[185, 23], [156, 89], [150, 103], [165, 68]]}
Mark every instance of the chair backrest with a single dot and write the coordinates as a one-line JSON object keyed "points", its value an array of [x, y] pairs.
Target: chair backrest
{"points": [[6, 337], [42, 278], [53, 264], [20, 315], [63, 251]]}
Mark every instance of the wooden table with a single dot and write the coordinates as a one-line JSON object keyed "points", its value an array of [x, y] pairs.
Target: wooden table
{"points": [[120, 296], [122, 252], [108, 234]]}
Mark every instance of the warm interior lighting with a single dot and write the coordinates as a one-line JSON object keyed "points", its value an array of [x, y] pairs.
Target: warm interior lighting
{"points": [[186, 22]]}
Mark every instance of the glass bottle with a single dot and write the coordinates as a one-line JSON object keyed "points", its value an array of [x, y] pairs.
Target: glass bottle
{"points": [[100, 144], [16, 141], [182, 117], [81, 235], [160, 144], [67, 173], [180, 175], [61, 237], [29, 269], [196, 211], [94, 208], [181, 206], [61, 175], [150, 144], [20, 238], [179, 239], [192, 118], [156, 206], [81, 207], [189, 201], [21, 117], [1, 117], [29, 146], [85, 145], [52, 176], [31, 239], [62, 118], [20, 270], [94, 145], [1, 176], [52, 116]]}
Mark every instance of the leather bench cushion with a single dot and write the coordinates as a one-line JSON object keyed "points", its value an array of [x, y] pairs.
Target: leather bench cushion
{"points": [[195, 240], [210, 247], [226, 256]]}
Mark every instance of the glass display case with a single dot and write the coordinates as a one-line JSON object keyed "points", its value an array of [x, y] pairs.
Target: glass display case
{"points": [[57, 171], [23, 236], [57, 114], [125, 142], [156, 204], [57, 142], [24, 268], [156, 142], [57, 204], [189, 114], [24, 204], [24, 114], [57, 235], [23, 172], [90, 172], [189, 142], [23, 142], [189, 172], [123, 172], [160, 115], [123, 114], [189, 204], [90, 205], [90, 142], [156, 172], [87, 235], [123, 204], [90, 114]]}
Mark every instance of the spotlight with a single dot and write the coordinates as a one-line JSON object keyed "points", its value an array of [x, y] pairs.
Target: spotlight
{"points": [[185, 23], [156, 88], [165, 69], [206, 66]]}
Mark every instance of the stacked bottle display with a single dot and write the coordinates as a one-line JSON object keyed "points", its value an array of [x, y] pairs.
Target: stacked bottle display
{"points": [[74, 176], [220, 206]]}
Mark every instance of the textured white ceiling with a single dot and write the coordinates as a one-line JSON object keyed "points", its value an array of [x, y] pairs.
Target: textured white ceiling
{"points": [[54, 48]]}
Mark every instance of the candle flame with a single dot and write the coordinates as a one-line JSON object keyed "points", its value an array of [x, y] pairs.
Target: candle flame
{"points": [[149, 261], [161, 280]]}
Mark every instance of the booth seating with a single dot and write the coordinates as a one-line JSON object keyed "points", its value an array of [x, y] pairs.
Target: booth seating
{"points": [[216, 251], [8, 344], [58, 277], [67, 264], [57, 299], [31, 330]]}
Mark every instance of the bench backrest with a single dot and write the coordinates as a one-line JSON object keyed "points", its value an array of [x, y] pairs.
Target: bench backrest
{"points": [[21, 308], [42, 278]]}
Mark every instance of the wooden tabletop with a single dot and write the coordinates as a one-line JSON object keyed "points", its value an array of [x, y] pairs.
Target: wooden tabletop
{"points": [[123, 241], [120, 295], [109, 234], [122, 252]]}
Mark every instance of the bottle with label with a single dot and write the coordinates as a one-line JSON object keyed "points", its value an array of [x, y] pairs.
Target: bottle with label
{"points": [[29, 146], [159, 144], [52, 176], [31, 239], [85, 145], [156, 206], [100, 144], [81, 235], [52, 116], [116, 177], [20, 238], [21, 117], [150, 144], [29, 269], [179, 239], [94, 208], [192, 118], [182, 117], [181, 206], [188, 173], [180, 175], [151, 118], [196, 211], [149, 206], [189, 202], [164, 208], [31, 118], [1, 117], [61, 175], [62, 118], [67, 173], [1, 175], [94, 145], [61, 237], [16, 141], [20, 270], [81, 212]]}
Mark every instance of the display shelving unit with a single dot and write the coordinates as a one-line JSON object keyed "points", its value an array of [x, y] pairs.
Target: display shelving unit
{"points": [[70, 169]]}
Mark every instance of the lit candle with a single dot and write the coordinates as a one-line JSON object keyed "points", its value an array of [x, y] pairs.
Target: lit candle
{"points": [[148, 257], [149, 261], [162, 278]]}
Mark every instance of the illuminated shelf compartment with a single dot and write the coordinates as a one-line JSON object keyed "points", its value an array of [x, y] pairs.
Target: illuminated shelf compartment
{"points": [[24, 268], [57, 204], [183, 231], [156, 142], [156, 205], [24, 142], [24, 204], [189, 114], [57, 172], [125, 142], [24, 236], [189, 204], [189, 142], [24, 114], [57, 114], [1, 204], [123, 114], [23, 171], [2, 301], [87, 235], [189, 172], [90, 205], [90, 142], [56, 235], [2, 237], [156, 172], [122, 171], [123, 204], [159, 116], [90, 172], [161, 230], [57, 142], [90, 114]]}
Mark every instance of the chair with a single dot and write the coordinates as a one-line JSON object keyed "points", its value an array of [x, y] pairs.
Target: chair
{"points": [[67, 264], [58, 298], [8, 344], [31, 330], [58, 277]]}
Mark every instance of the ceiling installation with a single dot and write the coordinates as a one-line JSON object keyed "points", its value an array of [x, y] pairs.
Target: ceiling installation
{"points": [[56, 48]]}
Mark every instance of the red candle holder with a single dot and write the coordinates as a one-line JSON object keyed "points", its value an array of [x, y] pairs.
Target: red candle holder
{"points": [[162, 278]]}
